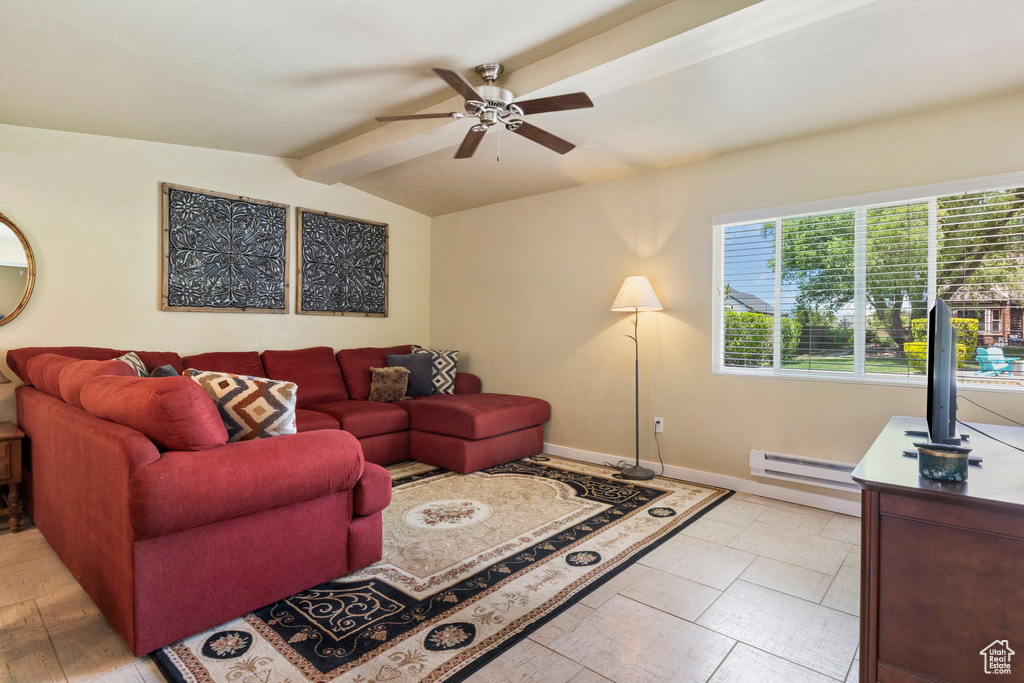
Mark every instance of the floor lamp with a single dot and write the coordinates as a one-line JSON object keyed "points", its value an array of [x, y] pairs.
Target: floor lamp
{"points": [[635, 296]]}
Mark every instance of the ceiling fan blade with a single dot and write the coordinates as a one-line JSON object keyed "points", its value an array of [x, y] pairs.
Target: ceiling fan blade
{"points": [[470, 142], [542, 105], [412, 117], [542, 137], [458, 82]]}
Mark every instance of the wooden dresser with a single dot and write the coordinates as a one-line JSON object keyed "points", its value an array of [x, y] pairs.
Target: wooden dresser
{"points": [[942, 564], [10, 473]]}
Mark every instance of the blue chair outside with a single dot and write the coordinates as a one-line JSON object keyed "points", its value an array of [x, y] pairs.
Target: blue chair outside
{"points": [[992, 362]]}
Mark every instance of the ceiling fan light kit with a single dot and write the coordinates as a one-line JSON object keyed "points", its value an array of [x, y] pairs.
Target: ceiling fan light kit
{"points": [[492, 105]]}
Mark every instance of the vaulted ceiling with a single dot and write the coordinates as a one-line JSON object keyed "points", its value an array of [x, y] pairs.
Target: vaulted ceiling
{"points": [[672, 81]]}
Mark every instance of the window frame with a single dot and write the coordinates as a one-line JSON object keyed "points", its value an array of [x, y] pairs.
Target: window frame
{"points": [[859, 205]]}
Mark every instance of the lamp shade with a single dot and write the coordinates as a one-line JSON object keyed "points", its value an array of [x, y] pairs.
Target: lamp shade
{"points": [[637, 295], [3, 378]]}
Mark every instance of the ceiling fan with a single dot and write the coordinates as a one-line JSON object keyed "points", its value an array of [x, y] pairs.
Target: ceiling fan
{"points": [[492, 105]]}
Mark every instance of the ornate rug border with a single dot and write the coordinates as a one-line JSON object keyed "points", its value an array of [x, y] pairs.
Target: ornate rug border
{"points": [[513, 640], [172, 675]]}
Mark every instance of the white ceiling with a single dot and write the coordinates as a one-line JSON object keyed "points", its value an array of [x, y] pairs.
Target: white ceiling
{"points": [[879, 61], [295, 78], [275, 77]]}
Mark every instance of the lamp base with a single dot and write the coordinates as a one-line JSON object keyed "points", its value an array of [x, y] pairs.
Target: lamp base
{"points": [[636, 472]]}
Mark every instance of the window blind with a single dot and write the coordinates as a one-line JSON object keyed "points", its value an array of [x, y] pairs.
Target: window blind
{"points": [[845, 293]]}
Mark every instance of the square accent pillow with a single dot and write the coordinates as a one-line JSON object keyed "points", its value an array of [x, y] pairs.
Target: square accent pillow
{"points": [[388, 384], [135, 363], [421, 372], [443, 374], [251, 407]]}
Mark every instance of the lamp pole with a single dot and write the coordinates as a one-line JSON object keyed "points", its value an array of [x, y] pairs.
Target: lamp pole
{"points": [[636, 471], [636, 294]]}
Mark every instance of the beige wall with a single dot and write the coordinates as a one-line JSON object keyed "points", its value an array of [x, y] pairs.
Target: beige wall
{"points": [[90, 208], [524, 289]]}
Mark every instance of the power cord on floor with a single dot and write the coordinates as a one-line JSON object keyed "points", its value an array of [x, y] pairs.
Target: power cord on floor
{"points": [[622, 464]]}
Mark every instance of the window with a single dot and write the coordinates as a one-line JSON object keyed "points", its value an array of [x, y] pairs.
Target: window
{"points": [[841, 289]]}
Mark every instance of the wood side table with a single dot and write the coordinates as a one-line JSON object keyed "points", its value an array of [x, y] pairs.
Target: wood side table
{"points": [[10, 473]]}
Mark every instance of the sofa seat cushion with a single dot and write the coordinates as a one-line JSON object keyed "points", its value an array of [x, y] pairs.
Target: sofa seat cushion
{"points": [[356, 363], [173, 412], [314, 370], [310, 420], [186, 489], [475, 416], [363, 418], [75, 376], [235, 362]]}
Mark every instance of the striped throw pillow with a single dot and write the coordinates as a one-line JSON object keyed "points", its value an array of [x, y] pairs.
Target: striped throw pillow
{"points": [[251, 407], [135, 363]]}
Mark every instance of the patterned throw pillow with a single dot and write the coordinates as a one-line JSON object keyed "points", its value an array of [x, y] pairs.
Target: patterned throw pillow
{"points": [[251, 407], [135, 363], [444, 369], [388, 384]]}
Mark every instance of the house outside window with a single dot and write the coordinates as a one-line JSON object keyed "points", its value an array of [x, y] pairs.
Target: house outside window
{"points": [[840, 289]]}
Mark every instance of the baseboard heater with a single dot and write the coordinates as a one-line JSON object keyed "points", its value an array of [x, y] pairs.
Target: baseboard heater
{"points": [[812, 471]]}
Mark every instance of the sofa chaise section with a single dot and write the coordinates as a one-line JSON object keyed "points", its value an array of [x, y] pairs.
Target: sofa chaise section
{"points": [[468, 432]]}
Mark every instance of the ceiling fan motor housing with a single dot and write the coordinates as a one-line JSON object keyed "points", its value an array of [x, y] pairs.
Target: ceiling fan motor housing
{"points": [[497, 105]]}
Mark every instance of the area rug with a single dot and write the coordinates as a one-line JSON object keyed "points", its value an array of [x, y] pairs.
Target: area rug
{"points": [[472, 564]]}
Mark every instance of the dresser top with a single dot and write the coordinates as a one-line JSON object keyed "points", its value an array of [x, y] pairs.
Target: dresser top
{"points": [[9, 430], [997, 483]]}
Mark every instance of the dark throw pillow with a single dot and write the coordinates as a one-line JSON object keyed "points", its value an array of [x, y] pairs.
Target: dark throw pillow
{"points": [[164, 371], [421, 369], [388, 384]]}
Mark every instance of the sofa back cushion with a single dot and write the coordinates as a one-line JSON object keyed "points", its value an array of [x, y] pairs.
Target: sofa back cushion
{"points": [[234, 362], [17, 359], [43, 371], [74, 376], [314, 371], [356, 363], [154, 359], [174, 412]]}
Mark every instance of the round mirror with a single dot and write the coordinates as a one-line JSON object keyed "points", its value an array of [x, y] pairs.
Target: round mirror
{"points": [[17, 270]]}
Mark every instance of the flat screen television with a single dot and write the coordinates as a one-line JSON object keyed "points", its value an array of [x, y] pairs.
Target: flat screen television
{"points": [[942, 365]]}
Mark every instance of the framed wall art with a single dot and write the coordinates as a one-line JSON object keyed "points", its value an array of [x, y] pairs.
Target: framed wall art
{"points": [[222, 252], [343, 265]]}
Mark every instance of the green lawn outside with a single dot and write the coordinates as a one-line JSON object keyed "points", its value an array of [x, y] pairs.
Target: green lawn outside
{"points": [[890, 366]]}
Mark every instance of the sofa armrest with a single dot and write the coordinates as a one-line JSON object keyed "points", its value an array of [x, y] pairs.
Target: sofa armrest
{"points": [[373, 490], [186, 489], [467, 383]]}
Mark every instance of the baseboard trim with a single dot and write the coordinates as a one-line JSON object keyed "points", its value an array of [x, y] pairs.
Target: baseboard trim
{"points": [[815, 500]]}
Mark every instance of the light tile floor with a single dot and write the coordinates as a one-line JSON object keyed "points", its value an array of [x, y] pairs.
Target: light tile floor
{"points": [[757, 591]]}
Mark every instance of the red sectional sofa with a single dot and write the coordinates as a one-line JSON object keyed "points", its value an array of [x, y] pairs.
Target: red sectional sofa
{"points": [[178, 531]]}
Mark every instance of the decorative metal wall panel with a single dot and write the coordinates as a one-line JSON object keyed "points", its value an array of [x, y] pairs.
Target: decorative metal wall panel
{"points": [[343, 265], [223, 252]]}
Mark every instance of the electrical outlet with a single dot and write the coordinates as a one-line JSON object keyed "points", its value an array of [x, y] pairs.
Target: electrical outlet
{"points": [[659, 424]]}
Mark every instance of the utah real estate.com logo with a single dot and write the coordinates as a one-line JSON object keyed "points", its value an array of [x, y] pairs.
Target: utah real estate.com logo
{"points": [[997, 657]]}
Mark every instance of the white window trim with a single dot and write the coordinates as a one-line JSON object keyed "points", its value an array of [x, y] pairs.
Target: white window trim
{"points": [[849, 203]]}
